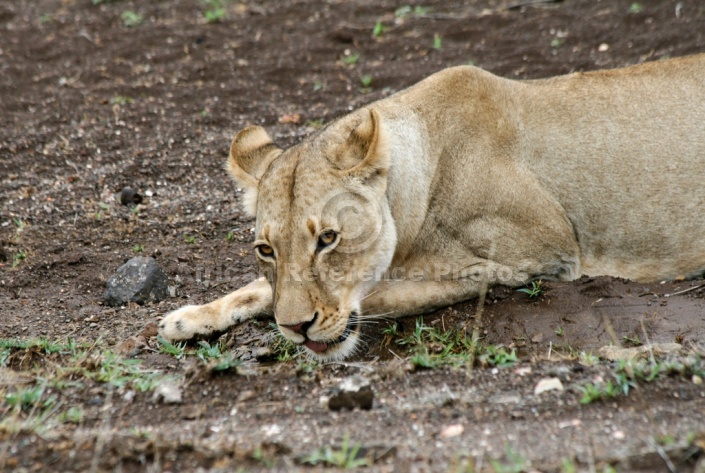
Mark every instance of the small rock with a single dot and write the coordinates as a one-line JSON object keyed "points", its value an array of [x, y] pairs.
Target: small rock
{"points": [[452, 430], [139, 280], [613, 353], [246, 396], [263, 353], [168, 392], [128, 196], [548, 384], [193, 412], [131, 346], [150, 330], [350, 393]]}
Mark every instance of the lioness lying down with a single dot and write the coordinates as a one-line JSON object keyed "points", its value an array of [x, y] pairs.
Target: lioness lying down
{"points": [[465, 180]]}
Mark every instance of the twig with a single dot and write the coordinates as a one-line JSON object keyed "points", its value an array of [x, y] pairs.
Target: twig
{"points": [[531, 3], [662, 453], [397, 356], [684, 291]]}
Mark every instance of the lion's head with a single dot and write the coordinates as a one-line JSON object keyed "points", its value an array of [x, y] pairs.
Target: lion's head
{"points": [[324, 230]]}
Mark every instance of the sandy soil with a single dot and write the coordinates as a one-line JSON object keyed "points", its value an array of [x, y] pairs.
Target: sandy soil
{"points": [[91, 105]]}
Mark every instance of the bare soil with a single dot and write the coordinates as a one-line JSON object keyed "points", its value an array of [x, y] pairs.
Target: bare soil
{"points": [[90, 105]]}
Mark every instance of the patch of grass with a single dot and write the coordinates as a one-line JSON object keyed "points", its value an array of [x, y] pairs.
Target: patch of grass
{"points": [[230, 236], [351, 59], [282, 348], [28, 398], [69, 347], [636, 7], [598, 392], [131, 18], [626, 375], [366, 81], [226, 362], [493, 355], [406, 10], [559, 331], [19, 223], [74, 415], [138, 248], [189, 239], [27, 409], [316, 123], [378, 29], [437, 42], [534, 291], [211, 355], [108, 367], [556, 42], [261, 455], [632, 341], [18, 257], [513, 462], [118, 100], [35, 407], [177, 350], [588, 359], [345, 456], [215, 10], [434, 348], [214, 15], [390, 333], [568, 466], [206, 351]]}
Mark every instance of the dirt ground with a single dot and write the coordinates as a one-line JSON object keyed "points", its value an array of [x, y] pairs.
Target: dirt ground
{"points": [[91, 105]]}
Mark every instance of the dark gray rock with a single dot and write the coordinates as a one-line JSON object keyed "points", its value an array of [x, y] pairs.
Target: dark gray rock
{"points": [[129, 197], [353, 392], [139, 280]]}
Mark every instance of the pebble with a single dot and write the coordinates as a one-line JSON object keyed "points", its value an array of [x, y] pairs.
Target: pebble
{"points": [[548, 384], [139, 280], [131, 346], [168, 392], [129, 196], [452, 430], [352, 392], [613, 353]]}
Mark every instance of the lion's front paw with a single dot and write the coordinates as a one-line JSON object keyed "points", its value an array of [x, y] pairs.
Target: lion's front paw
{"points": [[187, 322]]}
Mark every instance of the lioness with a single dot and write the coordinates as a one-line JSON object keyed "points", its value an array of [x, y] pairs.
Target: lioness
{"points": [[465, 180]]}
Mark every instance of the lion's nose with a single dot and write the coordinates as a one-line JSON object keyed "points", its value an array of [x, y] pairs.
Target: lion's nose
{"points": [[302, 327]]}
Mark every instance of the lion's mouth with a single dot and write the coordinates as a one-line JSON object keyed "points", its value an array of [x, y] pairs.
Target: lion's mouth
{"points": [[317, 346]]}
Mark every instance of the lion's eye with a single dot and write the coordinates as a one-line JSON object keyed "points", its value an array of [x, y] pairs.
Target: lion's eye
{"points": [[327, 238], [265, 251]]}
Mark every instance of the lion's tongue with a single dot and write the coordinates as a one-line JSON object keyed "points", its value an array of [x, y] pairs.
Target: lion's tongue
{"points": [[318, 347]]}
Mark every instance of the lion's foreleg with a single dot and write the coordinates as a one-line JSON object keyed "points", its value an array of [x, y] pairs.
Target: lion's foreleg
{"points": [[232, 309]]}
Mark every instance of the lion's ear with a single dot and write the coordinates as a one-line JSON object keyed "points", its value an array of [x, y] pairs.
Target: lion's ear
{"points": [[251, 153], [366, 153]]}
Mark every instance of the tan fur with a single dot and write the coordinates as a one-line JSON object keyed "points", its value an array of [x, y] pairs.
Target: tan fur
{"points": [[467, 180]]}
